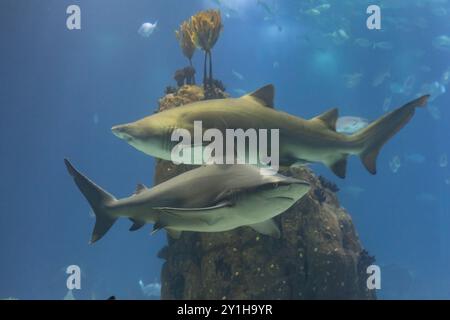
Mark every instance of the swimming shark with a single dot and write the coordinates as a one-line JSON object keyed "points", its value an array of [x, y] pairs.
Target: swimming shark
{"points": [[210, 198], [301, 140]]}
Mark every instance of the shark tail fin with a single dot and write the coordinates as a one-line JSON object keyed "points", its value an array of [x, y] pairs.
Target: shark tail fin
{"points": [[97, 198], [380, 131]]}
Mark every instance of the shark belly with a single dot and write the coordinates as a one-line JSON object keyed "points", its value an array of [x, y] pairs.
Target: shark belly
{"points": [[253, 210]]}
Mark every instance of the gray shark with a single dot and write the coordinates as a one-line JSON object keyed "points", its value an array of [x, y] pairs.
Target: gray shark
{"points": [[211, 198], [301, 141]]}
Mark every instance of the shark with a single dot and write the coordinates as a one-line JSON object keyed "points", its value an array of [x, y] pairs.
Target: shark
{"points": [[211, 198], [300, 140]]}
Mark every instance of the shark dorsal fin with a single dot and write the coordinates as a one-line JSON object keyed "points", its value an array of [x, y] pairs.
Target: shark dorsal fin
{"points": [[137, 224], [329, 118], [264, 95], [140, 188]]}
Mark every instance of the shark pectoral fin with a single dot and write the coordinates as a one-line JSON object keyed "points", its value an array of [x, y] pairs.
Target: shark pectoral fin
{"points": [[268, 228], [137, 224], [174, 234], [339, 167]]}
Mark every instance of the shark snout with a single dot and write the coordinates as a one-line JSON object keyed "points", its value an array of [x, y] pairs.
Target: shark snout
{"points": [[122, 131]]}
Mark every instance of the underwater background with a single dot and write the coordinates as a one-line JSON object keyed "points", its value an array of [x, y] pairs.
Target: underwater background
{"points": [[61, 91]]}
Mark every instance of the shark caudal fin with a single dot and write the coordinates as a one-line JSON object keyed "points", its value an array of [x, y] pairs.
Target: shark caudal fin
{"points": [[380, 131], [97, 198]]}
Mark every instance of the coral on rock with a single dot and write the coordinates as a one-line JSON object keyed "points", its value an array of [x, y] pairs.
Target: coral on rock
{"points": [[205, 28], [170, 89], [185, 76], [328, 184], [179, 77], [186, 94], [185, 39], [184, 36], [189, 74]]}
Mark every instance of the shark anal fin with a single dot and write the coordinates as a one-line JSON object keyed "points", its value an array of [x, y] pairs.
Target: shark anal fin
{"points": [[137, 224], [339, 167], [369, 160], [174, 234], [328, 118], [264, 95], [268, 228]]}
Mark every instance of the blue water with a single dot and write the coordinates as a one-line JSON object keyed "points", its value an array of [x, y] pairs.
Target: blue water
{"points": [[61, 91]]}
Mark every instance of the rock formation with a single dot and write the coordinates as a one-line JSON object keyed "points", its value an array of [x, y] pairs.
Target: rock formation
{"points": [[318, 256]]}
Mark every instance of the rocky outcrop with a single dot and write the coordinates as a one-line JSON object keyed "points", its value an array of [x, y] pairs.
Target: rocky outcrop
{"points": [[318, 256]]}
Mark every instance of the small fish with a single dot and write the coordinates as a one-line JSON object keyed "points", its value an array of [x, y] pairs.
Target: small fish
{"points": [[416, 158], [409, 83], [434, 89], [276, 65], [383, 45], [387, 103], [237, 75], [352, 80], [147, 29], [397, 88], [364, 43], [380, 78], [323, 7], [312, 12], [151, 290], [395, 164], [443, 160], [350, 125], [435, 113], [343, 34], [339, 36], [442, 42]]}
